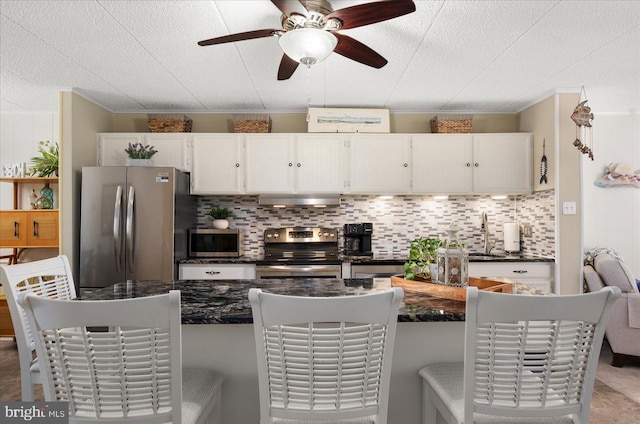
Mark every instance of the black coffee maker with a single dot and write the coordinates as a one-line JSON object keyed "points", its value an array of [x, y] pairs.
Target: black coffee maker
{"points": [[357, 239]]}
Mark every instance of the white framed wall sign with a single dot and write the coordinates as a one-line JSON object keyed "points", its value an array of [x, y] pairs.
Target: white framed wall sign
{"points": [[341, 120]]}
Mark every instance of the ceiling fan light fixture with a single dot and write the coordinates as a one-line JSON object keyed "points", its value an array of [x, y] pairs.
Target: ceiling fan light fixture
{"points": [[308, 45]]}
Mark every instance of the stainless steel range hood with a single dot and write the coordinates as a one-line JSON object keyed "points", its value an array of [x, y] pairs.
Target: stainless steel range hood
{"points": [[287, 200]]}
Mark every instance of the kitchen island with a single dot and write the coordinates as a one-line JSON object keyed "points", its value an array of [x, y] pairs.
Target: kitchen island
{"points": [[217, 333]]}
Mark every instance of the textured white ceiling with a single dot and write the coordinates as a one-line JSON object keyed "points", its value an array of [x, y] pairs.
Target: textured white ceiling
{"points": [[448, 56]]}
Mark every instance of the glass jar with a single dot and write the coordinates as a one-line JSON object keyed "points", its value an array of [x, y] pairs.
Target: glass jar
{"points": [[46, 197], [453, 261]]}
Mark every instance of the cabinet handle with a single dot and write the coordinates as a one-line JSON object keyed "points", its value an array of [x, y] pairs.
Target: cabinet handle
{"points": [[290, 164], [468, 165], [237, 165], [16, 228], [299, 165], [35, 228], [520, 271], [476, 164], [212, 272], [406, 165]]}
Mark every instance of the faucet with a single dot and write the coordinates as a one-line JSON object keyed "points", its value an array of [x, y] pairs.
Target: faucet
{"points": [[485, 226]]}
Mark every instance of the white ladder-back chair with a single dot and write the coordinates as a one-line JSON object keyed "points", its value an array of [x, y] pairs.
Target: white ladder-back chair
{"points": [[527, 359], [120, 360], [50, 278], [324, 358]]}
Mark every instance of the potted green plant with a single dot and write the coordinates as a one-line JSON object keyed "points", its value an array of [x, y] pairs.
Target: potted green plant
{"points": [[47, 164], [219, 216], [139, 154], [422, 254]]}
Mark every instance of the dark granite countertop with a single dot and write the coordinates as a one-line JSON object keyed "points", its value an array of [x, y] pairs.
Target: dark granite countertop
{"points": [[377, 260], [226, 301]]}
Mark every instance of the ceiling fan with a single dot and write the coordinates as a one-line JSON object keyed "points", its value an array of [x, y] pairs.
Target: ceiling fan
{"points": [[310, 28]]}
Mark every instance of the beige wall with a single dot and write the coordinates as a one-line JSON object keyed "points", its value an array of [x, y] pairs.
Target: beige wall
{"points": [[539, 119], [80, 120], [296, 122], [550, 119]]}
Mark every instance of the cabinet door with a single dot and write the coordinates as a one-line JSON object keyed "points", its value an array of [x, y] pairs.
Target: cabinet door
{"points": [[111, 148], [218, 164], [442, 163], [42, 229], [172, 148], [269, 159], [379, 164], [13, 229], [319, 163], [502, 163]]}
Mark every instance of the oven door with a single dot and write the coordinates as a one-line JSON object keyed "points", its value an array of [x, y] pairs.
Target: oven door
{"points": [[264, 272]]}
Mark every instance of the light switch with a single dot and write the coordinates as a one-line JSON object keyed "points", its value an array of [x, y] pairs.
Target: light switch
{"points": [[568, 208]]}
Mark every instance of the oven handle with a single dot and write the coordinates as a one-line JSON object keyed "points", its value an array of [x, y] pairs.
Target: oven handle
{"points": [[298, 271]]}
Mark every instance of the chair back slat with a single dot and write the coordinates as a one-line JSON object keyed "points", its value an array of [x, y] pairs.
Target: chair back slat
{"points": [[48, 278], [116, 372], [317, 359], [532, 356]]}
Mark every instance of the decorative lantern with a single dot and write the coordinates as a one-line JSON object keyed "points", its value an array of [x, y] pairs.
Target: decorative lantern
{"points": [[453, 261]]}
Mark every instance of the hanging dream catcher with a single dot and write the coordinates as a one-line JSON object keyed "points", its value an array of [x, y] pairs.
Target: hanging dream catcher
{"points": [[582, 116]]}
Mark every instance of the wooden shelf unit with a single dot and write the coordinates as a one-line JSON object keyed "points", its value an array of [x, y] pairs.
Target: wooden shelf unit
{"points": [[24, 229]]}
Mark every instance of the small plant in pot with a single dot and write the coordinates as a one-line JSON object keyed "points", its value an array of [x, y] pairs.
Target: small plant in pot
{"points": [[422, 254], [219, 216], [137, 152]]}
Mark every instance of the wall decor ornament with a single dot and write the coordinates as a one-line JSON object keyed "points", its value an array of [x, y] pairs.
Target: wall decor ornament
{"points": [[619, 175], [582, 116]]}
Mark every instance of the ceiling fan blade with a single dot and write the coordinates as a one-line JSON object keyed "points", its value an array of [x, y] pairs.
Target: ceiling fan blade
{"points": [[287, 67], [370, 13], [289, 7], [249, 35], [355, 50]]}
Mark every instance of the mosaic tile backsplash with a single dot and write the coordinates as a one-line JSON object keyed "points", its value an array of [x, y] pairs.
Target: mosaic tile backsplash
{"points": [[399, 220]]}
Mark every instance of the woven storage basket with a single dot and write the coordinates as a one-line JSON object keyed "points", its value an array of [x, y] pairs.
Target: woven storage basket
{"points": [[251, 123], [168, 123], [451, 124]]}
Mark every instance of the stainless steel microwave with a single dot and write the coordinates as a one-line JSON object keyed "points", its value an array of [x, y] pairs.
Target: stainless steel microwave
{"points": [[210, 243]]}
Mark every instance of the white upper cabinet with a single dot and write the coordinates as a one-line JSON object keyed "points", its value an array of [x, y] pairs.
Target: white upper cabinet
{"points": [[502, 163], [442, 163], [295, 163], [320, 163], [173, 148], [218, 164], [379, 164], [472, 163], [269, 163]]}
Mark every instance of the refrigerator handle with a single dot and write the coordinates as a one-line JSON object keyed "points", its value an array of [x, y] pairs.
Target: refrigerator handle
{"points": [[117, 213], [129, 229]]}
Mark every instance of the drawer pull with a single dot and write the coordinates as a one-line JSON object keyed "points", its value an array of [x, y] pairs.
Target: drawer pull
{"points": [[212, 272], [16, 226], [520, 271], [35, 228]]}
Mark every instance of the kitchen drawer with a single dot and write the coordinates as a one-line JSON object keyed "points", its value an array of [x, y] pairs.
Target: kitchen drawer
{"points": [[515, 270], [535, 274], [216, 272]]}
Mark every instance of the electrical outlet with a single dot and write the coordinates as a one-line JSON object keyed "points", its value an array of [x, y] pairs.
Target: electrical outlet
{"points": [[568, 208], [526, 230]]}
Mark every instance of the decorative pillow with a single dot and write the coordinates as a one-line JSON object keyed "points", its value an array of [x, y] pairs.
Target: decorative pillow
{"points": [[615, 273]]}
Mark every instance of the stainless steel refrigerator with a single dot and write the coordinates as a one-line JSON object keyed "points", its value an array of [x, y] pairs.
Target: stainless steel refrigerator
{"points": [[134, 224]]}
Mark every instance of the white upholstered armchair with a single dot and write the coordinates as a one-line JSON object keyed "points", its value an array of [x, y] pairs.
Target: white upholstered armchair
{"points": [[623, 328]]}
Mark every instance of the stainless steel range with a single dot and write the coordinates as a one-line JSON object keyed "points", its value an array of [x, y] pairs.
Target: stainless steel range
{"points": [[300, 252]]}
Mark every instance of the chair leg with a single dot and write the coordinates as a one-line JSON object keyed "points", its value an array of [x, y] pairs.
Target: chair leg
{"points": [[429, 410], [618, 360]]}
